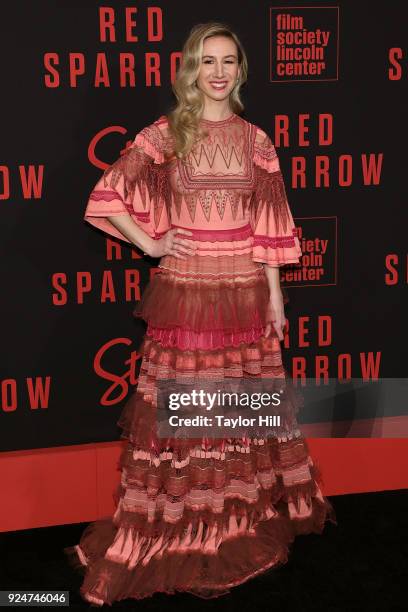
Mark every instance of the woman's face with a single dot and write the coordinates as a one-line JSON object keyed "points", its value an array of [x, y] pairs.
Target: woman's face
{"points": [[219, 68]]}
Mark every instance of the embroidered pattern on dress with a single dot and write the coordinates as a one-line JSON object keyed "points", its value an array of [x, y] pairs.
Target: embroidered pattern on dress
{"points": [[138, 169], [210, 173], [269, 194], [231, 177]]}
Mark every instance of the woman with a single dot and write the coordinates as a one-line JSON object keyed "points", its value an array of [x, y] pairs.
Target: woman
{"points": [[202, 190]]}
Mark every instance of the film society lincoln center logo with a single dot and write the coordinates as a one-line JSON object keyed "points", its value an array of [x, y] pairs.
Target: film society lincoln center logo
{"points": [[304, 43]]}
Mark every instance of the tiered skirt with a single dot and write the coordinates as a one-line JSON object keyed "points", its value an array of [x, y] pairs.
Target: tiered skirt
{"points": [[201, 515]]}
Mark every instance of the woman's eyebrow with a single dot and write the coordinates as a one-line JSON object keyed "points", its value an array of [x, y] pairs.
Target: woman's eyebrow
{"points": [[231, 55]]}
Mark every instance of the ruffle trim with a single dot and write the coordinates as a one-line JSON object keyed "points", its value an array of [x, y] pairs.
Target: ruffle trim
{"points": [[200, 452], [211, 340], [203, 554], [204, 305]]}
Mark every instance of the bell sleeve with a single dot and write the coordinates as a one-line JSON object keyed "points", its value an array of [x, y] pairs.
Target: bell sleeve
{"points": [[275, 240], [136, 184]]}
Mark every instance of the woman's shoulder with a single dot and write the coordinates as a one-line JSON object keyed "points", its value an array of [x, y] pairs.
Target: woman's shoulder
{"points": [[162, 124], [159, 127], [156, 128], [261, 137], [264, 152], [158, 134], [153, 137]]}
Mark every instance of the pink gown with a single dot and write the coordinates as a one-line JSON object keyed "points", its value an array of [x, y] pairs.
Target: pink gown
{"points": [[202, 515]]}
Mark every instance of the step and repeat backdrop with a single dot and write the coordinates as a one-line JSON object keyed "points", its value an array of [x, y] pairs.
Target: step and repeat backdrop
{"points": [[79, 80]]}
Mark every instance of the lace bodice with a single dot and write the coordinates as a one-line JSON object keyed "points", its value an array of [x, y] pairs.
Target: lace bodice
{"points": [[231, 183]]}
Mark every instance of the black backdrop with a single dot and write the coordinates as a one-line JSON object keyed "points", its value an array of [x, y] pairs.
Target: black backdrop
{"points": [[51, 334]]}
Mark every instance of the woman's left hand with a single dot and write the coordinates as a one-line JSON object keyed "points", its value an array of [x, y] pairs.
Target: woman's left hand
{"points": [[275, 315]]}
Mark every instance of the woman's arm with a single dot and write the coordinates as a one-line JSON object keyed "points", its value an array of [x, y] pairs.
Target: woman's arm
{"points": [[125, 224], [169, 244], [276, 310], [131, 200], [273, 276], [275, 237]]}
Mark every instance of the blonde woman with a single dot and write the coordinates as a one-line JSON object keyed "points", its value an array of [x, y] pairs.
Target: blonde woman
{"points": [[202, 190]]}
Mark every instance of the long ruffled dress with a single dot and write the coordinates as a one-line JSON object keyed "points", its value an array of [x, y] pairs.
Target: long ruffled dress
{"points": [[202, 515]]}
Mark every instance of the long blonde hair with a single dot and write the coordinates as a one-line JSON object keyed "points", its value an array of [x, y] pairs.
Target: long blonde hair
{"points": [[184, 118]]}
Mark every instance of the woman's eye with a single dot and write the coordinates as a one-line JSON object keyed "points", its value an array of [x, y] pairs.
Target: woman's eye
{"points": [[211, 61]]}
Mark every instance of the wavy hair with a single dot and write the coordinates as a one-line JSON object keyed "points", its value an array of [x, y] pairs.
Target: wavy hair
{"points": [[184, 118]]}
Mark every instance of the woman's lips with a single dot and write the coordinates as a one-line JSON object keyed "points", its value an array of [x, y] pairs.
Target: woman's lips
{"points": [[218, 85]]}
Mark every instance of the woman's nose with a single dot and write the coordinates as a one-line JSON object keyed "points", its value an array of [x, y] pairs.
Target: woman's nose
{"points": [[218, 71]]}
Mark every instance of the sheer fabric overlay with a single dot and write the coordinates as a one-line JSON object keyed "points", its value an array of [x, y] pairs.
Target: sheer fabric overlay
{"points": [[201, 515]]}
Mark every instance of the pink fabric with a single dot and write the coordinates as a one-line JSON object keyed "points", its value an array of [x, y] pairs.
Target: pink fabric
{"points": [[231, 193], [190, 340], [224, 235], [203, 515]]}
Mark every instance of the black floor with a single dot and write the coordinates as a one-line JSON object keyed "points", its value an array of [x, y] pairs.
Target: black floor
{"points": [[360, 564]]}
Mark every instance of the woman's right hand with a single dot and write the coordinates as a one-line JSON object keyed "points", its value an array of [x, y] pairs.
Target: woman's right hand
{"points": [[171, 244]]}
